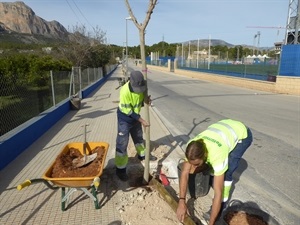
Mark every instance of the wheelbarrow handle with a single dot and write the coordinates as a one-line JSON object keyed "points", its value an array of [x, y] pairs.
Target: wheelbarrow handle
{"points": [[38, 180], [24, 184], [96, 182]]}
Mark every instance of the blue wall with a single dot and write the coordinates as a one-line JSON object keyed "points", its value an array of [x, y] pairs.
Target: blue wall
{"points": [[290, 58], [16, 143]]}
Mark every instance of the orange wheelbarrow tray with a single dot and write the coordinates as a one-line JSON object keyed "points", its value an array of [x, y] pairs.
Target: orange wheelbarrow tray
{"points": [[73, 183]]}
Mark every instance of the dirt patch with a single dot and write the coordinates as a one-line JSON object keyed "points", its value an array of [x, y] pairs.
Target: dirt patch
{"points": [[63, 166], [145, 206]]}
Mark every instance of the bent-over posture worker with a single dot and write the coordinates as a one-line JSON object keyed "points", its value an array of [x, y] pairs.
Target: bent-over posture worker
{"points": [[221, 147], [130, 122]]}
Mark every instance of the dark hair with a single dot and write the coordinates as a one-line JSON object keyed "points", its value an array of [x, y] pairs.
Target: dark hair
{"points": [[196, 150]]}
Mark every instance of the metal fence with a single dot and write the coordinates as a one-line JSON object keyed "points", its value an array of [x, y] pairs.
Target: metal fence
{"points": [[19, 103], [266, 69]]}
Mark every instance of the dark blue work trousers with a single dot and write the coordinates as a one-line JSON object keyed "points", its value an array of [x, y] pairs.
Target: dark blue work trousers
{"points": [[236, 154], [124, 130]]}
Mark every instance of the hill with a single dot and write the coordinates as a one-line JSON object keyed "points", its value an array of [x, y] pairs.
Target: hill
{"points": [[18, 18], [20, 24]]}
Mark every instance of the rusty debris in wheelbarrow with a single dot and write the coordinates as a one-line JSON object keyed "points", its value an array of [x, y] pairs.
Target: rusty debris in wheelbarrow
{"points": [[62, 174]]}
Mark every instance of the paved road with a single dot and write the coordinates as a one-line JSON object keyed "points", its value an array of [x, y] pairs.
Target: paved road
{"points": [[269, 173]]}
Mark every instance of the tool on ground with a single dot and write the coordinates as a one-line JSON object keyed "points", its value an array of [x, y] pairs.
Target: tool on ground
{"points": [[163, 178], [86, 159]]}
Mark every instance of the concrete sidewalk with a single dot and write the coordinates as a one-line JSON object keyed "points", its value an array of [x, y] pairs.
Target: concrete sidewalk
{"points": [[38, 204]]}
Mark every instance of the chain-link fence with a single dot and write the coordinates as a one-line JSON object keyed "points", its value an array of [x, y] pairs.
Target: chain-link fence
{"points": [[264, 69], [239, 63], [252, 68], [19, 102]]}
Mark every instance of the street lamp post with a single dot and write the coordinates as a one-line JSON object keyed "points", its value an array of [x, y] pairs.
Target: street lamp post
{"points": [[208, 64], [126, 70]]}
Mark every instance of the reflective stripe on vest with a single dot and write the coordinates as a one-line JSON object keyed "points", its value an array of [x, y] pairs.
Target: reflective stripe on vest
{"points": [[126, 108], [235, 137], [223, 136]]}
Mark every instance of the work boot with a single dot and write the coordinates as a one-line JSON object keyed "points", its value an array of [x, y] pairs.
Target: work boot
{"points": [[122, 175], [152, 158]]}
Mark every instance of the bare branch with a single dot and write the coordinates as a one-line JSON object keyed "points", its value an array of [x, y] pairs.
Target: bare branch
{"points": [[151, 6], [142, 26]]}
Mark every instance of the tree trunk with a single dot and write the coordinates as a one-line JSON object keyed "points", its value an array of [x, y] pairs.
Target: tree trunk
{"points": [[146, 107], [142, 27]]}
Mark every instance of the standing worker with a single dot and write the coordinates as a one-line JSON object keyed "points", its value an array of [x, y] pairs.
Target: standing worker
{"points": [[220, 147], [130, 122]]}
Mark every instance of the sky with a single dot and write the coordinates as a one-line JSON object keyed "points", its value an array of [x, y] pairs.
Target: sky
{"points": [[173, 21]]}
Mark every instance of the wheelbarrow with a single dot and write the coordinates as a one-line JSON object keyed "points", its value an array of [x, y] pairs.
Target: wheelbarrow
{"points": [[73, 184]]}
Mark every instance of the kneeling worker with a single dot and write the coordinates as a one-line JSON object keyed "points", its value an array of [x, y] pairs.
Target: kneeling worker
{"points": [[221, 147]]}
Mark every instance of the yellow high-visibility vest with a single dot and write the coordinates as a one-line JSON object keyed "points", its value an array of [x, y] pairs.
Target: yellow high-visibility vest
{"points": [[220, 139], [130, 101]]}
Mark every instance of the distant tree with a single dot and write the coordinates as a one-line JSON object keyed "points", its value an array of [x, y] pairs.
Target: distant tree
{"points": [[171, 50], [14, 71], [84, 45], [164, 49], [97, 56], [116, 51], [135, 52], [29, 69]]}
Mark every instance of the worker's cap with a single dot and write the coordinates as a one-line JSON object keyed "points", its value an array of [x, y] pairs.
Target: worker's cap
{"points": [[137, 82]]}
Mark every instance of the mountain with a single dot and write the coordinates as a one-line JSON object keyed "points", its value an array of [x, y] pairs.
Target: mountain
{"points": [[17, 17], [205, 43]]}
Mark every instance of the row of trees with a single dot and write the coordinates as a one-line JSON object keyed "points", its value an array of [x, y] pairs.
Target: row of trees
{"points": [[175, 50], [28, 70], [29, 64]]}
